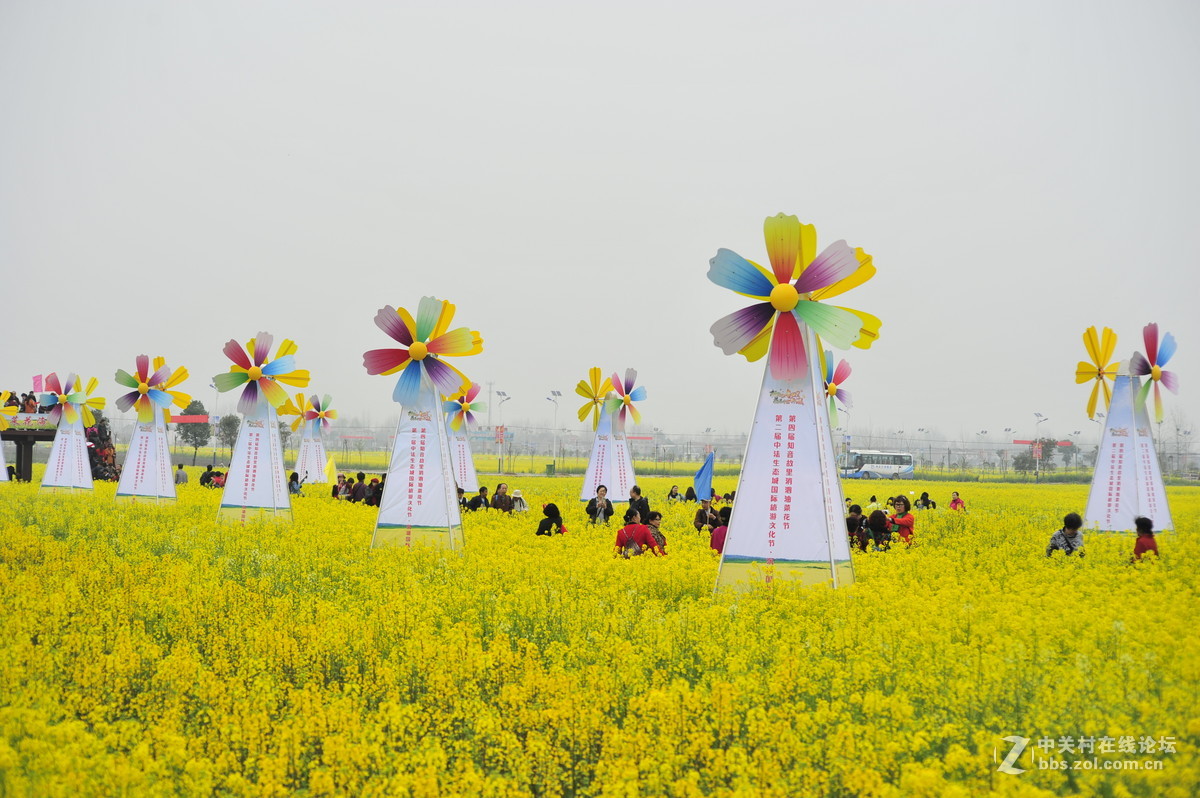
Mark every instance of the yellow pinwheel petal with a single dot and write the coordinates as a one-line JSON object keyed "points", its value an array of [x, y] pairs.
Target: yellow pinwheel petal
{"points": [[869, 333], [409, 322], [782, 233], [865, 271], [445, 316], [89, 418], [272, 392], [179, 399], [759, 345], [299, 378], [96, 402], [1091, 405], [177, 376], [808, 247], [286, 347], [456, 343], [1085, 371]]}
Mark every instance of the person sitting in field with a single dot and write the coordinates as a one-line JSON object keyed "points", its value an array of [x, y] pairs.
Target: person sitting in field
{"points": [[902, 520], [956, 503], [206, 477], [674, 495], [1145, 538], [293, 484], [1069, 539], [501, 500], [599, 508], [716, 541], [219, 479], [479, 501], [856, 528], [519, 503], [706, 516], [880, 530], [653, 523], [552, 524], [690, 494], [635, 537], [924, 503]]}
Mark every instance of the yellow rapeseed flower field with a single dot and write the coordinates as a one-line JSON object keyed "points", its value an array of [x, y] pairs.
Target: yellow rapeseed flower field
{"points": [[152, 651]]}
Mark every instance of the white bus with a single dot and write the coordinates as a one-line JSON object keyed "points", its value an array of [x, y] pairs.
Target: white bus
{"points": [[870, 464]]}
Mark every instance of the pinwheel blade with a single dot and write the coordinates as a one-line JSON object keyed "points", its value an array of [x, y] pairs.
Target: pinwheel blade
{"points": [[836, 263], [123, 377], [739, 329], [782, 233], [788, 360], [233, 350], [1166, 348], [1150, 338], [730, 270]]}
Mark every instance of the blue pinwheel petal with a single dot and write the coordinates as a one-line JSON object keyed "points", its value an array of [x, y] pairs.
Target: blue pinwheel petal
{"points": [[730, 270], [409, 384], [1165, 349], [280, 365]]}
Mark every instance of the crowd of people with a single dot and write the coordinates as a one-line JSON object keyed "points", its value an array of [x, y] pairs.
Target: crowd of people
{"points": [[28, 403]]}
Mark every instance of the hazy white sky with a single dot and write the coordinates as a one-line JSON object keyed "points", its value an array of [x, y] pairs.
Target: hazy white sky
{"points": [[176, 174]]}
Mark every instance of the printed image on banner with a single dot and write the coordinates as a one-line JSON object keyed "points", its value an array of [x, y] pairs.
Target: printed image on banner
{"points": [[255, 485], [419, 504], [146, 474], [787, 522]]}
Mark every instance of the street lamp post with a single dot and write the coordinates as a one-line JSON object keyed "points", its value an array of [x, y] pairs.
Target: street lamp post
{"points": [[1037, 460], [554, 397]]}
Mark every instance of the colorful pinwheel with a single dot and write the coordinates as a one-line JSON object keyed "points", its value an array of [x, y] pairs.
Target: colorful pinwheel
{"points": [[427, 338], [6, 411], [774, 324], [298, 407], [834, 378], [1157, 355], [67, 400], [261, 378], [151, 390], [320, 411], [1100, 349], [622, 403], [462, 407], [595, 392]]}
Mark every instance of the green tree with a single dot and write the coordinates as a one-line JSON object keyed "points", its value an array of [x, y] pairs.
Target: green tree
{"points": [[195, 435], [285, 434], [227, 430]]}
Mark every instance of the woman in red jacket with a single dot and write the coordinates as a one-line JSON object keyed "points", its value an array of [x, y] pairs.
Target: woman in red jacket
{"points": [[635, 537], [902, 521]]}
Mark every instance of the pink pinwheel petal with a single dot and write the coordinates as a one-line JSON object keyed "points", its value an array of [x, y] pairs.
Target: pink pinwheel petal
{"points": [[248, 401], [389, 321], [1169, 381], [262, 347], [1139, 365], [836, 263], [617, 385], [234, 351], [472, 392], [735, 331], [1150, 336], [52, 383], [143, 367], [788, 358], [55, 413], [842, 373], [383, 361]]}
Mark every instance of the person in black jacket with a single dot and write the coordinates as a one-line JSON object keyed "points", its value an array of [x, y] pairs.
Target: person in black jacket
{"points": [[552, 524], [639, 502], [600, 509]]}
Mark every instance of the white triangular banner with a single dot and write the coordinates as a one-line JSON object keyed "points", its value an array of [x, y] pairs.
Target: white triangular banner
{"points": [[462, 459], [1127, 481], [146, 474], [787, 523], [419, 504], [610, 464], [68, 468], [255, 486], [310, 461]]}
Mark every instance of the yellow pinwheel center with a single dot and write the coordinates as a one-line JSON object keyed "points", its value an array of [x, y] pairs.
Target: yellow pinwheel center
{"points": [[62, 398], [143, 388], [418, 351], [784, 297], [255, 372], [1156, 373], [626, 401], [832, 389]]}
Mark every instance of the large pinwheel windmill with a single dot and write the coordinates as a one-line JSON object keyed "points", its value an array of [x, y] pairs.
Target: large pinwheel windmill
{"points": [[255, 485], [460, 412], [1151, 365], [146, 475], [71, 407], [835, 378], [1127, 482], [6, 413], [313, 414], [419, 503], [787, 523], [611, 464], [595, 392], [1100, 369]]}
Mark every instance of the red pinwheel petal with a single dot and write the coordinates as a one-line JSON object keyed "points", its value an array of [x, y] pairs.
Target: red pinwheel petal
{"points": [[842, 372], [143, 367], [1150, 337], [390, 322], [233, 350], [788, 358]]}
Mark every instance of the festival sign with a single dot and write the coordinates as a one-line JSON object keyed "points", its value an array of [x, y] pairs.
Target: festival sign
{"points": [[146, 474], [419, 504], [254, 485], [460, 411], [69, 468], [787, 522]]}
